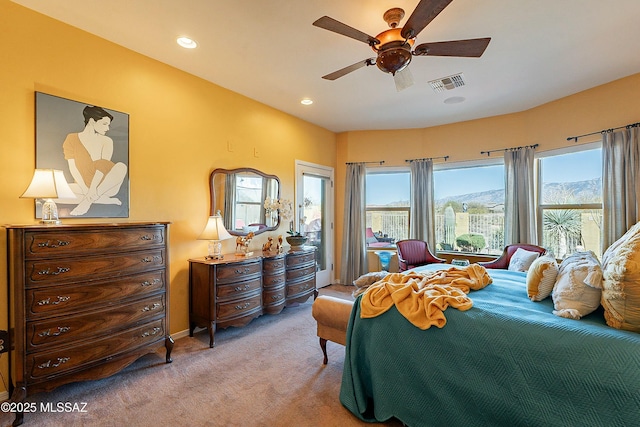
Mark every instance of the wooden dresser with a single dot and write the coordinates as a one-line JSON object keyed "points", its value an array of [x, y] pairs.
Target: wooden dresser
{"points": [[87, 301], [236, 289]]}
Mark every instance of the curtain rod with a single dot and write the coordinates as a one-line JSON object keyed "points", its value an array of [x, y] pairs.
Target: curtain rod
{"points": [[427, 158], [488, 153], [575, 138], [381, 162]]}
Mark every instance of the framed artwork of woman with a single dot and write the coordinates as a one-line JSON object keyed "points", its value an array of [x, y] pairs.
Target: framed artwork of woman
{"points": [[91, 145]]}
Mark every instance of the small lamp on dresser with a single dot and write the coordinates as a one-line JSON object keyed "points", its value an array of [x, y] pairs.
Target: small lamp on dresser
{"points": [[49, 184], [215, 232]]}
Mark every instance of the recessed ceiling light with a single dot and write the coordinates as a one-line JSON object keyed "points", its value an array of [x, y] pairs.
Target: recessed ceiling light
{"points": [[187, 43], [306, 101], [454, 100]]}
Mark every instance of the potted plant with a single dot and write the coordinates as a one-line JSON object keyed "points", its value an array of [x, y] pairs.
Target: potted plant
{"points": [[294, 238]]}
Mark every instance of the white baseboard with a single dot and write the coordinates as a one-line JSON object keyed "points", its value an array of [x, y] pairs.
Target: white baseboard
{"points": [[180, 334]]}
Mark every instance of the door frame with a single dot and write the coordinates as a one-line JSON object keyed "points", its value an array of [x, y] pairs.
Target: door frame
{"points": [[302, 167]]}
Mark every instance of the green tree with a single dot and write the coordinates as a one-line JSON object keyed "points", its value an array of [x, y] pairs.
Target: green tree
{"points": [[561, 227], [471, 242]]}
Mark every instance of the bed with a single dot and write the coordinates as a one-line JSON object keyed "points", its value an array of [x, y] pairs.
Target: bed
{"points": [[506, 361]]}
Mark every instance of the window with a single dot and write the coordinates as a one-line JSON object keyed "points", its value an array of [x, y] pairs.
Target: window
{"points": [[249, 199], [469, 205], [387, 205], [570, 201]]}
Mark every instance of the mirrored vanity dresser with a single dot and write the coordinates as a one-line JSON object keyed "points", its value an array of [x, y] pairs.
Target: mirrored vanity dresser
{"points": [[236, 289]]}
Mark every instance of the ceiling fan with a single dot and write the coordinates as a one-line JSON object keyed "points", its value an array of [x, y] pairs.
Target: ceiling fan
{"points": [[393, 46]]}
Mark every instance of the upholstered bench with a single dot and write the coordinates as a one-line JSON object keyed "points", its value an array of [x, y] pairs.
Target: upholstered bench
{"points": [[332, 315]]}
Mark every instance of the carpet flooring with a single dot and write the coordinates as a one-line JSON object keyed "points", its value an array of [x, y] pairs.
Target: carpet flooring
{"points": [[268, 373]]}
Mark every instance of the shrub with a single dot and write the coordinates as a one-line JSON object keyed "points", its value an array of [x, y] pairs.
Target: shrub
{"points": [[471, 242]]}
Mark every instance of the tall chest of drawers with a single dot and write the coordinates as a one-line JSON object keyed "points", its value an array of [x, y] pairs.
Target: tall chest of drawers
{"points": [[87, 300]]}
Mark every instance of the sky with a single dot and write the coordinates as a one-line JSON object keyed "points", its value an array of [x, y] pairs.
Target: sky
{"points": [[383, 189]]}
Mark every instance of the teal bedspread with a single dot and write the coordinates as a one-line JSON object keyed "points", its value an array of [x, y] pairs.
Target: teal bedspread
{"points": [[506, 361]]}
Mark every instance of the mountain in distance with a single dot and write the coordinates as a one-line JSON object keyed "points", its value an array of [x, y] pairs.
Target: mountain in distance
{"points": [[580, 191]]}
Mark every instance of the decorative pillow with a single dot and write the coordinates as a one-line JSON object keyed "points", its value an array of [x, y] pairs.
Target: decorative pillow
{"points": [[522, 259], [366, 280], [621, 285], [541, 277], [578, 287]]}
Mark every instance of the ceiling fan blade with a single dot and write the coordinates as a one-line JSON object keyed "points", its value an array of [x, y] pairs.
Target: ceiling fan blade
{"points": [[424, 13], [350, 68], [473, 48], [338, 27], [403, 79]]}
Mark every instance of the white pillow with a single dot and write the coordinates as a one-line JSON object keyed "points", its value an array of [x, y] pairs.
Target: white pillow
{"points": [[578, 287], [522, 259]]}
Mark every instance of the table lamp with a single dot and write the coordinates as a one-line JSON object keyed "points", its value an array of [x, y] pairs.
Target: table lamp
{"points": [[215, 232], [49, 184]]}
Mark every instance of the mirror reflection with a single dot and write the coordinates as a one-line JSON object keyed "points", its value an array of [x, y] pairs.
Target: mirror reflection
{"points": [[239, 195]]}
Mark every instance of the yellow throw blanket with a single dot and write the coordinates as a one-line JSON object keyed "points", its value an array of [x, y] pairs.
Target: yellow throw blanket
{"points": [[422, 297]]}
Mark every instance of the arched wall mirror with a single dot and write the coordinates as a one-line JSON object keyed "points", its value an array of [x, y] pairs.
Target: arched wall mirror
{"points": [[239, 195]]}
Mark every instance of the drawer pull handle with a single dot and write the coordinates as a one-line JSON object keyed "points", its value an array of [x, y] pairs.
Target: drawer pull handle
{"points": [[154, 331], [243, 306], [48, 271], [147, 237], [244, 271], [151, 259], [48, 364], [155, 306], [48, 244], [242, 288], [61, 330], [58, 300], [149, 283]]}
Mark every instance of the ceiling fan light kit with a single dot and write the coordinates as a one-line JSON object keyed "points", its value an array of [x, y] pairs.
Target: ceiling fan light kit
{"points": [[393, 47]]}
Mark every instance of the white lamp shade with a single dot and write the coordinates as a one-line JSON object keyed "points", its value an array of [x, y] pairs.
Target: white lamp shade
{"points": [[49, 184], [214, 230]]}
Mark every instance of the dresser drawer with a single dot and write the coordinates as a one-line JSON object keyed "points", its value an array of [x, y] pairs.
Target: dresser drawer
{"points": [[65, 270], [239, 308], [238, 290], [64, 242], [302, 287], [273, 296], [273, 265], [48, 364], [62, 330], [59, 299], [238, 271], [298, 260], [273, 280], [301, 272]]}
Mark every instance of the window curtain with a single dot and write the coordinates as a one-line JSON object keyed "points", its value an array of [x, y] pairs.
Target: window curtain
{"points": [[422, 218], [520, 224], [620, 183], [354, 252]]}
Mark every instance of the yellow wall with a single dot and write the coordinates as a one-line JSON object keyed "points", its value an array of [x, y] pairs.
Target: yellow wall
{"points": [[179, 129], [607, 106], [180, 126]]}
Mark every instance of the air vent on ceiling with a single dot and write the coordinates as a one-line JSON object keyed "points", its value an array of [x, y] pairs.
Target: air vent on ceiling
{"points": [[447, 83]]}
